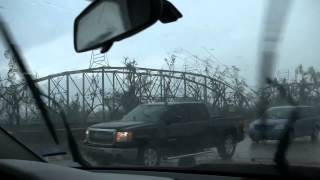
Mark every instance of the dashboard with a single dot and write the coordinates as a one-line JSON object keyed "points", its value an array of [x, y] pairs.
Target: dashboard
{"points": [[23, 169], [35, 170]]}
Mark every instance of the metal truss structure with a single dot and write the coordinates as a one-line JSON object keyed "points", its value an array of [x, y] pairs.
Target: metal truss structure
{"points": [[101, 88], [98, 59]]}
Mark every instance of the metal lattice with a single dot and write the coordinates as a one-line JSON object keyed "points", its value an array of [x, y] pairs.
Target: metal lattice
{"points": [[101, 88], [98, 59]]}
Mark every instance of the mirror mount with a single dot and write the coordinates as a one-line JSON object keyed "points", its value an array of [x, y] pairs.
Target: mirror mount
{"points": [[169, 13], [105, 48]]}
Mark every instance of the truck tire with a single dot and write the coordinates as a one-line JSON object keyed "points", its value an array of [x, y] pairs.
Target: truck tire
{"points": [[315, 134], [228, 146], [149, 156]]}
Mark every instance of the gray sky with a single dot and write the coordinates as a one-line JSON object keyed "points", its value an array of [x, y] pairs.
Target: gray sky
{"points": [[229, 29]]}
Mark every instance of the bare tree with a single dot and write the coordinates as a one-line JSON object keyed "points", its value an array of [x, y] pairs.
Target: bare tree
{"points": [[209, 65], [12, 92], [303, 87], [129, 98]]}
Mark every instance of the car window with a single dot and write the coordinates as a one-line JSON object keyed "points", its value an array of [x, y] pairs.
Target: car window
{"points": [[145, 113], [197, 112], [179, 113], [306, 112], [280, 113]]}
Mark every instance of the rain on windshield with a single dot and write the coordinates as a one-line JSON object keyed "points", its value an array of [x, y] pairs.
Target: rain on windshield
{"points": [[205, 67]]}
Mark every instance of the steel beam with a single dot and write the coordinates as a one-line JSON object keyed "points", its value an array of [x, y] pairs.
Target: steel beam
{"points": [[67, 90], [49, 92], [83, 92], [159, 84], [103, 97]]}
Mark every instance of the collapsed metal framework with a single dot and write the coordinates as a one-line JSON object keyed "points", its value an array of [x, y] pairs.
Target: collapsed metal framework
{"points": [[101, 88]]}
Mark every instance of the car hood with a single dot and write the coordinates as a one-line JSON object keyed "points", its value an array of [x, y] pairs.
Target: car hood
{"points": [[116, 124]]}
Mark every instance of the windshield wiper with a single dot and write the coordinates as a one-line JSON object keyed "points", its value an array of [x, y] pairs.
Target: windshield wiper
{"points": [[33, 88], [274, 23], [285, 140], [36, 93], [73, 145]]}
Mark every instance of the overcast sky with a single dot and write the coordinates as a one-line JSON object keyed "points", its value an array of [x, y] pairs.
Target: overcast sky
{"points": [[229, 29]]}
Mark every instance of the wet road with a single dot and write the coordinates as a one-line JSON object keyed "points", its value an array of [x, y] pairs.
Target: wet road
{"points": [[302, 150]]}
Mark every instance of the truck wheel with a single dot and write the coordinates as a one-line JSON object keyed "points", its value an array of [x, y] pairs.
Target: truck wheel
{"points": [[315, 134], [227, 148], [149, 156]]}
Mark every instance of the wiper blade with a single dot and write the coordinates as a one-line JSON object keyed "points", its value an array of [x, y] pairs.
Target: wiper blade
{"points": [[285, 141], [73, 145], [274, 23], [77, 156], [33, 88]]}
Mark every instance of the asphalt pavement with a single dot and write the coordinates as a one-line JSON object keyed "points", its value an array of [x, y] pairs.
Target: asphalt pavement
{"points": [[302, 150]]}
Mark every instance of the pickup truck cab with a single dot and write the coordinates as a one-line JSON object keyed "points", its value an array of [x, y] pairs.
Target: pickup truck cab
{"points": [[152, 132]]}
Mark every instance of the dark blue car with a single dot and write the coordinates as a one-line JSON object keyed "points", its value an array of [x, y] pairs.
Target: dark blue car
{"points": [[276, 121]]}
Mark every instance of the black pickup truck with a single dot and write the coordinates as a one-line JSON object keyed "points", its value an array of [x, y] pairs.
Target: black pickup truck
{"points": [[152, 132]]}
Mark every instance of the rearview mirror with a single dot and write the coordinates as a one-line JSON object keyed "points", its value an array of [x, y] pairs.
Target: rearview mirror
{"points": [[106, 21]]}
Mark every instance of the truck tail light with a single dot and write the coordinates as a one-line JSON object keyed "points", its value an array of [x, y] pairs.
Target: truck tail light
{"points": [[123, 136]]}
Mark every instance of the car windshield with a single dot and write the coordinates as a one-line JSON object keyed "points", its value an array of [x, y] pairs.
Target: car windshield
{"points": [[145, 113], [279, 113], [211, 64]]}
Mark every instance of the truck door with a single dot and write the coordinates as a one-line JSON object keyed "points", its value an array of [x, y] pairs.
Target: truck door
{"points": [[198, 125], [178, 128]]}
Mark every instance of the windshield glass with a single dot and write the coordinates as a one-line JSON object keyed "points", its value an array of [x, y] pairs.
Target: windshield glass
{"points": [[209, 62], [145, 113]]}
